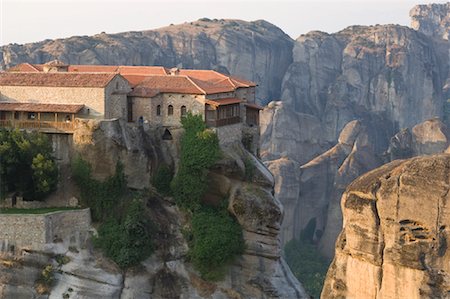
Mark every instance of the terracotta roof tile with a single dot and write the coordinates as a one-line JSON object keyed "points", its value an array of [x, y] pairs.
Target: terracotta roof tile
{"points": [[36, 107], [174, 84], [56, 79], [208, 81], [23, 67]]}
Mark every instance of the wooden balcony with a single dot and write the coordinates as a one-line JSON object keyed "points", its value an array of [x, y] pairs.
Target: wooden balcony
{"points": [[223, 122], [41, 126]]}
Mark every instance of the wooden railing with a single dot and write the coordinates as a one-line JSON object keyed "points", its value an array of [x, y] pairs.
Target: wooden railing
{"points": [[223, 122], [45, 126]]}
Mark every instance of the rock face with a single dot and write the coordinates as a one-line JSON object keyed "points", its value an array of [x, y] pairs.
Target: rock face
{"points": [[259, 273], [389, 247], [387, 77], [257, 51], [430, 137], [432, 19]]}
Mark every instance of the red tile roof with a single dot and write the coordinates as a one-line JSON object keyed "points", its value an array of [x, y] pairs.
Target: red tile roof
{"points": [[24, 67], [207, 81], [56, 79], [173, 84], [36, 107]]}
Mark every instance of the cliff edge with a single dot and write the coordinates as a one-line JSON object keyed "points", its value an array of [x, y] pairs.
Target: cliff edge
{"points": [[395, 235]]}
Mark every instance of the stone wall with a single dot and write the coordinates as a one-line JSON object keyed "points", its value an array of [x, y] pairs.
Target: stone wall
{"points": [[36, 231], [146, 107], [93, 98], [229, 134], [116, 98]]}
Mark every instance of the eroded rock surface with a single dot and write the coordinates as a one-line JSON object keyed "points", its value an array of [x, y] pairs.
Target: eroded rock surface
{"points": [[257, 51], [259, 273], [395, 235]]}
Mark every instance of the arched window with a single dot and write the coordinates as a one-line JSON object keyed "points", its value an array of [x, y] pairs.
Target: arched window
{"points": [[158, 110], [170, 110], [183, 111]]}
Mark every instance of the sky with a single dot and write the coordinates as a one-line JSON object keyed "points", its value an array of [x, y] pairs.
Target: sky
{"points": [[23, 21]]}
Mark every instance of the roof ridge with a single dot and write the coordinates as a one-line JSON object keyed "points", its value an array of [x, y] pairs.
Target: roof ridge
{"points": [[195, 84], [229, 80], [32, 65]]}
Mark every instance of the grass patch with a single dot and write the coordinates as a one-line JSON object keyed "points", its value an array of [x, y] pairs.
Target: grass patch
{"points": [[35, 211]]}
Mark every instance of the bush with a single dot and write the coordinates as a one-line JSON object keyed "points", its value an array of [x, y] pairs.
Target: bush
{"points": [[26, 164], [161, 180], [216, 240], [128, 241], [101, 197], [307, 264]]}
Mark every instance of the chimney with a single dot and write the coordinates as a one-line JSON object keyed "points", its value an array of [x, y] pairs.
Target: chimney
{"points": [[174, 71], [55, 66]]}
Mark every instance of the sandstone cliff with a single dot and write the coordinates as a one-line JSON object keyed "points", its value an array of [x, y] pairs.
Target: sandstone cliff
{"points": [[259, 273], [395, 235], [257, 51], [387, 77]]}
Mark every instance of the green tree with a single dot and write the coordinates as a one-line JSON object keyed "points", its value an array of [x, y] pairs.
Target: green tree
{"points": [[199, 151], [26, 164], [127, 241], [44, 175]]}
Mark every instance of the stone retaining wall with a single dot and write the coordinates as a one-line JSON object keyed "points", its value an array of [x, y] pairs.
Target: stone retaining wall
{"points": [[36, 231]]}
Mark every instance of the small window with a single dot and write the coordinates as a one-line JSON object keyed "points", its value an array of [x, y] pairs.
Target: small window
{"points": [[117, 85], [183, 111], [170, 110], [158, 110], [31, 115], [16, 115]]}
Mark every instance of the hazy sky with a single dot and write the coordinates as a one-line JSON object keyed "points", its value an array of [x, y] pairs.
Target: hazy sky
{"points": [[34, 20]]}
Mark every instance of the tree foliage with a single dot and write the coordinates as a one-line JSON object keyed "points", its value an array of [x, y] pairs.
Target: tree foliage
{"points": [[199, 151], [101, 196], [161, 180], [217, 239], [26, 164], [307, 265], [126, 240], [125, 233]]}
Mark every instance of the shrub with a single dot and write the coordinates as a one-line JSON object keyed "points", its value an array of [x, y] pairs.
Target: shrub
{"points": [[128, 241], [307, 265], [45, 281], [161, 180], [101, 197], [216, 240]]}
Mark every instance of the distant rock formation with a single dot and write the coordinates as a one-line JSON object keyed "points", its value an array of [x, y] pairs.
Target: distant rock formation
{"points": [[257, 51], [396, 233], [432, 19], [387, 77]]}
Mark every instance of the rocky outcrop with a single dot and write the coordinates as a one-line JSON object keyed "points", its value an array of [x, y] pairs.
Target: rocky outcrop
{"points": [[387, 77], [430, 137], [432, 19], [395, 235], [257, 51], [259, 273]]}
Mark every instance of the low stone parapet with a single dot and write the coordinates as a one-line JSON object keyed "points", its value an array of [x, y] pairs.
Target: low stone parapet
{"points": [[36, 231]]}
